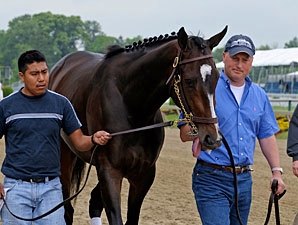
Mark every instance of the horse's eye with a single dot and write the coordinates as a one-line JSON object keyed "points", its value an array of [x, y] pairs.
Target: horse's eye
{"points": [[189, 83]]}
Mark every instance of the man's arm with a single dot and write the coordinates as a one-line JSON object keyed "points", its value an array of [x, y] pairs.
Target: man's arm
{"points": [[84, 143], [270, 150]]}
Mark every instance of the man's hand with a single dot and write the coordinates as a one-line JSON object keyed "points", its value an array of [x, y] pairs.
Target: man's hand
{"points": [[276, 175], [2, 193], [101, 137], [295, 168]]}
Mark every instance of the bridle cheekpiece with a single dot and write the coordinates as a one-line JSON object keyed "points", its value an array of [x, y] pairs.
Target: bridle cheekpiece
{"points": [[189, 118]]}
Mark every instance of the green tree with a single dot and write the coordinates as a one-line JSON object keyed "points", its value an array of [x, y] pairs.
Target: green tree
{"points": [[217, 54], [292, 43], [129, 41], [2, 44], [264, 47], [54, 35], [93, 30], [100, 43], [7, 90]]}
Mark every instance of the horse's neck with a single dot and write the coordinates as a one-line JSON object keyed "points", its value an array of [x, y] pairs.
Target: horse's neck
{"points": [[146, 87]]}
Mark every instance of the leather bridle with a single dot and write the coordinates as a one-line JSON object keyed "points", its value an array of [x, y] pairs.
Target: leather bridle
{"points": [[178, 88]]}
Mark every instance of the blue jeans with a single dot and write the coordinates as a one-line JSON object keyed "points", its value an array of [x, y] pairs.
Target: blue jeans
{"points": [[215, 195], [29, 200]]}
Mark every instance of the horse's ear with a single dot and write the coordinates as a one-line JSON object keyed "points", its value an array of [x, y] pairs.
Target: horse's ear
{"points": [[182, 38], [214, 41]]}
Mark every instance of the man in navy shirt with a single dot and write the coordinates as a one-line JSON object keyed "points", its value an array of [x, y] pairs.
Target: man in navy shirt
{"points": [[244, 115], [31, 120]]}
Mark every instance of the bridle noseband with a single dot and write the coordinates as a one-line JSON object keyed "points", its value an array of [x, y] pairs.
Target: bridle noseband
{"points": [[188, 115]]}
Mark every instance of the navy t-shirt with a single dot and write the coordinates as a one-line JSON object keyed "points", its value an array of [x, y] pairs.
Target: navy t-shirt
{"points": [[31, 126]]}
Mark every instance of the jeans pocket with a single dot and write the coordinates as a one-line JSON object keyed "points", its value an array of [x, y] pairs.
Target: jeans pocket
{"points": [[200, 170], [55, 184], [9, 185]]}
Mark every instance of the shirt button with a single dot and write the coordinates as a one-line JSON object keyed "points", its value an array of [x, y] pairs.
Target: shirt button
{"points": [[241, 139], [240, 124]]}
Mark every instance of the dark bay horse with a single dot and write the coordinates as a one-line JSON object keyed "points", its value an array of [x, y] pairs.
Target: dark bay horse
{"points": [[123, 90]]}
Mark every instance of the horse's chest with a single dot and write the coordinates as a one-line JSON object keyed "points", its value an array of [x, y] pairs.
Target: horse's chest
{"points": [[138, 154]]}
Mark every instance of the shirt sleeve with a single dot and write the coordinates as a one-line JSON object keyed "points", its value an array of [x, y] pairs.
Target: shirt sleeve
{"points": [[268, 125], [2, 122], [292, 142], [70, 119], [181, 123]]}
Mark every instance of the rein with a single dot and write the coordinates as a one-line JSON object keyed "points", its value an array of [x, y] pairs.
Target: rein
{"points": [[274, 198], [163, 124], [234, 176], [60, 204]]}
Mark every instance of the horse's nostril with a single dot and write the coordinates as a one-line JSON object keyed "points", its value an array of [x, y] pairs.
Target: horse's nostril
{"points": [[208, 140]]}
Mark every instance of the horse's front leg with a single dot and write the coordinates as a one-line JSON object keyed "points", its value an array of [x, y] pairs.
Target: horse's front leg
{"points": [[138, 189], [69, 211], [110, 185], [96, 206]]}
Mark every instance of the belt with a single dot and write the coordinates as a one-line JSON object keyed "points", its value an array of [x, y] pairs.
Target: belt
{"points": [[238, 169], [38, 180]]}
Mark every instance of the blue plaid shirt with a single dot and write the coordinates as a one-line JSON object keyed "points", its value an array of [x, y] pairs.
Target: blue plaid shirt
{"points": [[241, 125]]}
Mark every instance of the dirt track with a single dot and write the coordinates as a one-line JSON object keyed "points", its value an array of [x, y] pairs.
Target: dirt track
{"points": [[170, 200]]}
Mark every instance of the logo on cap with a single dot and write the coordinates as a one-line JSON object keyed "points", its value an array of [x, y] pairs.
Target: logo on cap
{"points": [[240, 43]]}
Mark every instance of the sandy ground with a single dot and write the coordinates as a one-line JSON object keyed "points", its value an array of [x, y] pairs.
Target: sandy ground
{"points": [[170, 200]]}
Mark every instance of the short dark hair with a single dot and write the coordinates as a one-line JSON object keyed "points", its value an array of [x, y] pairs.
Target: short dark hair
{"points": [[29, 57]]}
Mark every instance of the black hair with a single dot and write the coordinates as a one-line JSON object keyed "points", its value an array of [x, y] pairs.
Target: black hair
{"points": [[29, 57]]}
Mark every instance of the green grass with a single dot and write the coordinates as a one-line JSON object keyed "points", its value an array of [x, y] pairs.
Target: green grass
{"points": [[280, 108], [282, 136], [171, 117]]}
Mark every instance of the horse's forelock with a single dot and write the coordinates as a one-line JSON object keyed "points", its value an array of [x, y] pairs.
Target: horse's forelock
{"points": [[199, 41]]}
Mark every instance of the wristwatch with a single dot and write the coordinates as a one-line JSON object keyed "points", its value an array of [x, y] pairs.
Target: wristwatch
{"points": [[277, 169]]}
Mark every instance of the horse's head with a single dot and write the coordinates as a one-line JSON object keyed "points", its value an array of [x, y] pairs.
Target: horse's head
{"points": [[193, 83]]}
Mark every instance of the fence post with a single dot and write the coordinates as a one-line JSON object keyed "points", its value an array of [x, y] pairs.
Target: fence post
{"points": [[290, 105]]}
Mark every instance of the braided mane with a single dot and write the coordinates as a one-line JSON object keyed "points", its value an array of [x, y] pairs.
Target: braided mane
{"points": [[147, 42]]}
